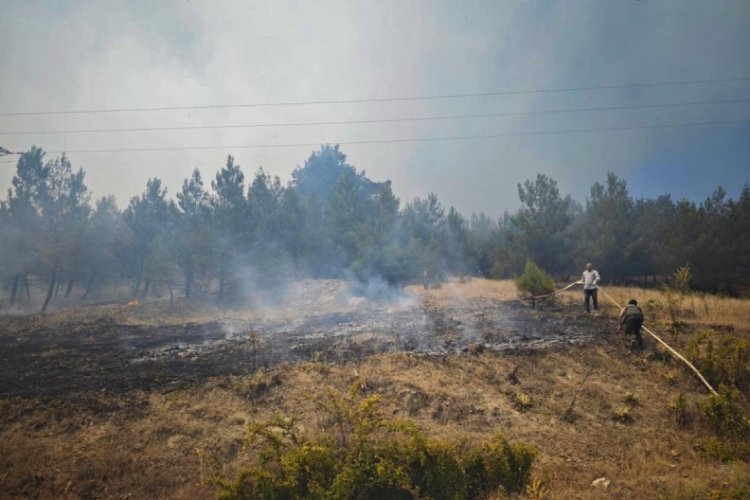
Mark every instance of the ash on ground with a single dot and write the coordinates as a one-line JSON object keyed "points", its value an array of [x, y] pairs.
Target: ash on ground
{"points": [[319, 320]]}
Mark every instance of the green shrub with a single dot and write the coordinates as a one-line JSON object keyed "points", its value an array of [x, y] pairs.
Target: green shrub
{"points": [[730, 492], [723, 414], [361, 454], [715, 448], [534, 280], [498, 464], [722, 358]]}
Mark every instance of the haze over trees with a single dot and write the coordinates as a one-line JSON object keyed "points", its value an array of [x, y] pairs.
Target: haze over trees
{"points": [[229, 236]]}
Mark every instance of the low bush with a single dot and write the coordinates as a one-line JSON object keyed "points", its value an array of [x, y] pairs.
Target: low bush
{"points": [[365, 455], [723, 414], [534, 280], [722, 358]]}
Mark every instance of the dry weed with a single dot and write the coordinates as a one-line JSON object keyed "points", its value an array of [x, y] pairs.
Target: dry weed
{"points": [[624, 415], [630, 399], [151, 444], [473, 289], [691, 308]]}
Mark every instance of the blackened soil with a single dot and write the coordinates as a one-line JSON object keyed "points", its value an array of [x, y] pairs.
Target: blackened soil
{"points": [[64, 359]]}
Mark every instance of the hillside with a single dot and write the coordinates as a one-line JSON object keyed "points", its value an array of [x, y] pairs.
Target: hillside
{"points": [[154, 400]]}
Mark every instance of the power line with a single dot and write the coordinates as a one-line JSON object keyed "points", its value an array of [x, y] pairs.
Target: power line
{"points": [[392, 141], [364, 100], [381, 120]]}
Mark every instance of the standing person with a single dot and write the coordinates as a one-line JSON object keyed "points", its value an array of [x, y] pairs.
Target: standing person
{"points": [[425, 279], [631, 319], [590, 279]]}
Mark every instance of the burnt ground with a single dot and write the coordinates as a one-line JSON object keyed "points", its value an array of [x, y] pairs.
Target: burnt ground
{"points": [[52, 359], [153, 401]]}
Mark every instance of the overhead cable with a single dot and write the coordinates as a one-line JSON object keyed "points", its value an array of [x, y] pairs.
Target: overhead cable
{"points": [[378, 120], [416, 139], [365, 100]]}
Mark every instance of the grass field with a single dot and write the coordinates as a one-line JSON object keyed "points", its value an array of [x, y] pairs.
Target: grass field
{"points": [[595, 410]]}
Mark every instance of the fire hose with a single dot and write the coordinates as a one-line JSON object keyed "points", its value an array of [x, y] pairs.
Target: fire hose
{"points": [[656, 337], [667, 346]]}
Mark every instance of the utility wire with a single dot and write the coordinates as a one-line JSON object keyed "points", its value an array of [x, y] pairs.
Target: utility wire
{"points": [[363, 100], [418, 139], [381, 120]]}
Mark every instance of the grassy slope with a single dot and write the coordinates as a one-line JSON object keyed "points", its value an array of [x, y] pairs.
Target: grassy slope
{"points": [[155, 444]]}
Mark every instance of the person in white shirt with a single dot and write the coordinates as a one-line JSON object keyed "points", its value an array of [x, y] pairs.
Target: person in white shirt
{"points": [[590, 279]]}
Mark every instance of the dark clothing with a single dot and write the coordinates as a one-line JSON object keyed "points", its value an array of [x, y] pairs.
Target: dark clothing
{"points": [[632, 320], [588, 295], [631, 312]]}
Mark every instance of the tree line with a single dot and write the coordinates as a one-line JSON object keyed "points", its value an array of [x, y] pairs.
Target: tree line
{"points": [[232, 235]]}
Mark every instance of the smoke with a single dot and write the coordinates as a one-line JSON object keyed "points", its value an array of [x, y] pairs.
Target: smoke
{"points": [[231, 330], [375, 288]]}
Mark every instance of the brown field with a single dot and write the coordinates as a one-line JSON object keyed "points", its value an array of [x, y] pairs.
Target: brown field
{"points": [[153, 400]]}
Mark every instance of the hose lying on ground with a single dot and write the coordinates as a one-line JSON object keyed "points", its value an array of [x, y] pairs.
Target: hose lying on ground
{"points": [[656, 337], [669, 348]]}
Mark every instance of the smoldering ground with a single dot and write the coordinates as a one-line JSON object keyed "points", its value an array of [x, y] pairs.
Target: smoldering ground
{"points": [[150, 348]]}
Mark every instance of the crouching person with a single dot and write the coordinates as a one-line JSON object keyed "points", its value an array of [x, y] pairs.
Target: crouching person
{"points": [[631, 319]]}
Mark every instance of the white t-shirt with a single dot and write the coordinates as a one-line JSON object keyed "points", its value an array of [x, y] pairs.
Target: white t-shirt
{"points": [[589, 279]]}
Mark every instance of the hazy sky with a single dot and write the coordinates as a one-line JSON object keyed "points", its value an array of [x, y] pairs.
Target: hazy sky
{"points": [[83, 55]]}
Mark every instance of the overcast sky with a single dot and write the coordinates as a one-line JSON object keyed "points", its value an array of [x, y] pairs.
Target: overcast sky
{"points": [[83, 55]]}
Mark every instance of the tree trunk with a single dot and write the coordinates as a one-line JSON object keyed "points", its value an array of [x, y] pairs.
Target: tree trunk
{"points": [[221, 281], [140, 278], [50, 290], [730, 288], [69, 289], [188, 280], [206, 289], [26, 286], [14, 289], [89, 286]]}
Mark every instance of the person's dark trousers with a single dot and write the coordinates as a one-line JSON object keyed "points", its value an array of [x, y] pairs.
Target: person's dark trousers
{"points": [[590, 295], [633, 327]]}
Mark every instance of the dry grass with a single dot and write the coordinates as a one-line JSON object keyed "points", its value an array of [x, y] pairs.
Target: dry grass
{"points": [[691, 308], [597, 412], [171, 445], [469, 288], [695, 308]]}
